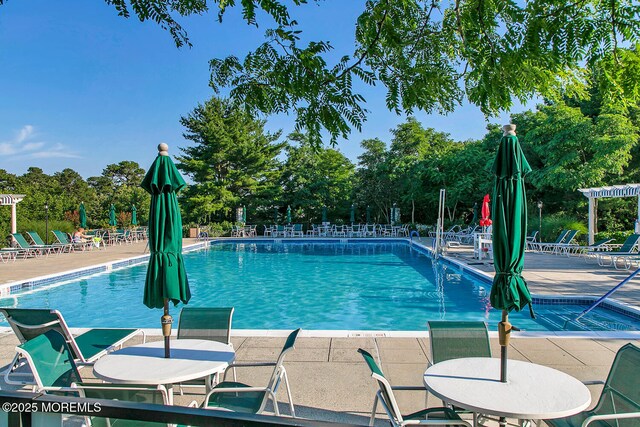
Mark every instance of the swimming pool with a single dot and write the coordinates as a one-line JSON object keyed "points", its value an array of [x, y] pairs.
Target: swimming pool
{"points": [[387, 286]]}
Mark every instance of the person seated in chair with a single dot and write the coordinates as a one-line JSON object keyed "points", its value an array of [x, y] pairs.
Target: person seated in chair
{"points": [[80, 237]]}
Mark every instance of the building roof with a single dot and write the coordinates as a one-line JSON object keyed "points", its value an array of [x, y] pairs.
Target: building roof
{"points": [[624, 190]]}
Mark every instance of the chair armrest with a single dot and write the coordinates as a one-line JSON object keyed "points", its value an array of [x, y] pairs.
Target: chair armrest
{"points": [[237, 389], [594, 382], [625, 415], [248, 365], [437, 422], [409, 388]]}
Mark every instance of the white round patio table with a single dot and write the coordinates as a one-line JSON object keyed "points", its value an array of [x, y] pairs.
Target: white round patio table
{"points": [[145, 363], [532, 392]]}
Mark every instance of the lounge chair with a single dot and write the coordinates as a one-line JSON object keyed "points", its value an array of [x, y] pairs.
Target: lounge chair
{"points": [[10, 254], [205, 323], [619, 402], [628, 249], [29, 323], [565, 246], [54, 370], [599, 246], [62, 238], [38, 242], [532, 237], [241, 397], [540, 246], [456, 339], [31, 249], [385, 396]]}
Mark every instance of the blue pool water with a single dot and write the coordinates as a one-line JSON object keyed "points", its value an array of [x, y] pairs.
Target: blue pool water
{"points": [[338, 286]]}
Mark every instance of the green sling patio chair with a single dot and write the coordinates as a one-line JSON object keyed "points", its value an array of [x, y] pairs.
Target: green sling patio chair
{"points": [[564, 246], [239, 397], [599, 246], [38, 242], [31, 249], [456, 339], [29, 323], [55, 371], [205, 323], [385, 396], [619, 402]]}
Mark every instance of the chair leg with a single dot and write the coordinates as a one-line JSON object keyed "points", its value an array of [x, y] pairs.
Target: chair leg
{"points": [[373, 410], [286, 383]]}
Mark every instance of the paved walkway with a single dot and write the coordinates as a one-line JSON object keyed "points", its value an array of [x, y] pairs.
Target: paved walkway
{"points": [[331, 382], [548, 274]]}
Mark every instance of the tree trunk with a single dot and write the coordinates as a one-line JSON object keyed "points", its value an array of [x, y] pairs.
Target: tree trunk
{"points": [[413, 211]]}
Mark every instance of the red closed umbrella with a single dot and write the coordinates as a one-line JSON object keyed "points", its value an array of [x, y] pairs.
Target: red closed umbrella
{"points": [[485, 221]]}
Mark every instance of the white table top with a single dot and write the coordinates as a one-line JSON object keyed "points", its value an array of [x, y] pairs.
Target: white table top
{"points": [[145, 363], [533, 392]]}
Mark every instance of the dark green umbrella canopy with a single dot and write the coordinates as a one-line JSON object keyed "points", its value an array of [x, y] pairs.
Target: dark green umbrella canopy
{"points": [[112, 216], [324, 214], [353, 214], [134, 215], [166, 274], [288, 214], [509, 291], [83, 216], [244, 215], [475, 213]]}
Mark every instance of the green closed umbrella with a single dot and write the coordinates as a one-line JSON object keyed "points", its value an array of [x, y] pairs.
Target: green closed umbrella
{"points": [[353, 214], [288, 214], [112, 216], [475, 213], [509, 291], [368, 214], [134, 215], [244, 214], [83, 216], [324, 214], [166, 274]]}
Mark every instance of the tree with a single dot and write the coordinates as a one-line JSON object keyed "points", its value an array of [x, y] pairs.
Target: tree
{"points": [[316, 178], [233, 160], [373, 178], [428, 55]]}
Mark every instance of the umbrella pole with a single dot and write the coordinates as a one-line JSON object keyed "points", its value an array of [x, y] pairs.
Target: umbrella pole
{"points": [[504, 333], [166, 320]]}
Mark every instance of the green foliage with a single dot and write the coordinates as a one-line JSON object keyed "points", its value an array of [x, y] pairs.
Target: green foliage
{"points": [[233, 161], [617, 236], [553, 224], [218, 229]]}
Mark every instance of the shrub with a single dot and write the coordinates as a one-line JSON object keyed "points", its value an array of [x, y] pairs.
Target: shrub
{"points": [[552, 225], [41, 228], [617, 236]]}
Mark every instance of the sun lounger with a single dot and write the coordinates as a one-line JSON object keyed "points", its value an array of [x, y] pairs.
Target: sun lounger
{"points": [[38, 242], [62, 238], [31, 249], [541, 246], [628, 249]]}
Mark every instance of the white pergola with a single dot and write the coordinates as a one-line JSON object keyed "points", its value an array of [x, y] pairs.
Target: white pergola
{"points": [[626, 190], [12, 200]]}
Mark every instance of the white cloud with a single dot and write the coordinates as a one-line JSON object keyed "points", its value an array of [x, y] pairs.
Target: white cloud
{"points": [[27, 144]]}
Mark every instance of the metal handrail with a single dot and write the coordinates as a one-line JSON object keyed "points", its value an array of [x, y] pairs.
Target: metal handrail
{"points": [[22, 406]]}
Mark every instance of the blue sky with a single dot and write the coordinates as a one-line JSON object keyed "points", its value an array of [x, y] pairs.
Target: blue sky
{"points": [[81, 87]]}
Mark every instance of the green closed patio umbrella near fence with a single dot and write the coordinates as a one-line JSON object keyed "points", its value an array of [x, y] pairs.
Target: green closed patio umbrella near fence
{"points": [[244, 214], [134, 215], [509, 290], [112, 216], [166, 274], [324, 214], [288, 214], [353, 214], [83, 215]]}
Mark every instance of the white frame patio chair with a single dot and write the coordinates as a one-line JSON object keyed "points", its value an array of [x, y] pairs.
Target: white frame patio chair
{"points": [[239, 397], [442, 416], [628, 248]]}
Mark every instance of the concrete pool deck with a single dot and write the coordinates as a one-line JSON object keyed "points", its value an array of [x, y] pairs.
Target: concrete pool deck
{"points": [[328, 377]]}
